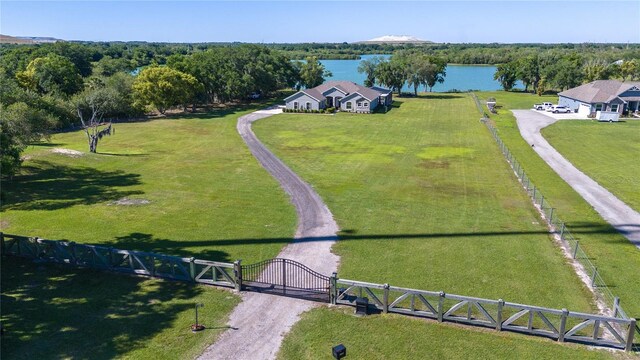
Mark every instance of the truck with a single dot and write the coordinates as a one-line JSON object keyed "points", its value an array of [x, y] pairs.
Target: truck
{"points": [[543, 106]]}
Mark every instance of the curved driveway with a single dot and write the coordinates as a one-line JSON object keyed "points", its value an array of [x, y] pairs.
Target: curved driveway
{"points": [[613, 210], [258, 324]]}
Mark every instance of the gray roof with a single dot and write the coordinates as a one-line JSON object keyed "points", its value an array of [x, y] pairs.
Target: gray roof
{"points": [[347, 87], [599, 91]]}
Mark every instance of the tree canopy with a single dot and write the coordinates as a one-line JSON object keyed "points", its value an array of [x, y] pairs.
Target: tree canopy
{"points": [[163, 87]]}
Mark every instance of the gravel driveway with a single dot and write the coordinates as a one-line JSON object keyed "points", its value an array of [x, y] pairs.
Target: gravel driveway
{"points": [[259, 323], [613, 210]]}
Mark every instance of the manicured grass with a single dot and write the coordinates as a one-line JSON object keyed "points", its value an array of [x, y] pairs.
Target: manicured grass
{"points": [[398, 337], [54, 312], [617, 259], [208, 198], [425, 200], [607, 152]]}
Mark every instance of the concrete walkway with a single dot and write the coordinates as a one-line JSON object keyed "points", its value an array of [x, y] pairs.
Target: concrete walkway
{"points": [[613, 210], [259, 323]]}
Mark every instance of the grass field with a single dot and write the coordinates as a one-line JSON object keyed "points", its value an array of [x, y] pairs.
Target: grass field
{"points": [[607, 152], [617, 259], [208, 198], [424, 200], [398, 337]]}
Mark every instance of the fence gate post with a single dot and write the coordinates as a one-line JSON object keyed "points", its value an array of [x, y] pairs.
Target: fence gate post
{"points": [[333, 288], [441, 306], [563, 325], [192, 269], [616, 303], [237, 273], [385, 299], [630, 334], [551, 216], [499, 317]]}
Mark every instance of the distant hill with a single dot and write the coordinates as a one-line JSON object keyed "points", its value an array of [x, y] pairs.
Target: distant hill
{"points": [[395, 39], [6, 39]]}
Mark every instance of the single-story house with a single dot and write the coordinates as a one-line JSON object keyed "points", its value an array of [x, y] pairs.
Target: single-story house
{"points": [[602, 95], [343, 95]]}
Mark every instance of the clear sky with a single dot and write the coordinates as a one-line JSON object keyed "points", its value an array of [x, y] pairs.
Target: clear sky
{"points": [[326, 21]]}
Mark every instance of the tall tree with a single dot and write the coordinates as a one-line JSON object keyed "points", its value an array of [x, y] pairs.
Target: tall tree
{"points": [[313, 73], [391, 74], [528, 71], [436, 71], [507, 75], [20, 125], [596, 69], [629, 70], [368, 67], [163, 87], [91, 106], [51, 74]]}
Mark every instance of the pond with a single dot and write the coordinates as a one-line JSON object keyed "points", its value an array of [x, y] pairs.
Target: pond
{"points": [[459, 77]]}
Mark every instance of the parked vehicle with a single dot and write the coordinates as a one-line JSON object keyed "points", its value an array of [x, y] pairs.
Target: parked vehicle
{"points": [[255, 95], [560, 109], [543, 106]]}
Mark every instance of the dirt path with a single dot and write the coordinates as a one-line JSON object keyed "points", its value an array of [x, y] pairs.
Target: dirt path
{"points": [[259, 323], [620, 215]]}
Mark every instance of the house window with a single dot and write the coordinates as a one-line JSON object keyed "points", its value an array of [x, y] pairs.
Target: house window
{"points": [[349, 105], [295, 105], [598, 107], [366, 104], [308, 105], [614, 107], [359, 103]]}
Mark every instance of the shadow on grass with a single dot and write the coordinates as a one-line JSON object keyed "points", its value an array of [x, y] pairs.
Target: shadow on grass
{"points": [[55, 312], [47, 186]]}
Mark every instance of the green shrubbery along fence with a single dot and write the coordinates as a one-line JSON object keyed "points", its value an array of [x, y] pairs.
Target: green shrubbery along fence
{"points": [[562, 325], [600, 288]]}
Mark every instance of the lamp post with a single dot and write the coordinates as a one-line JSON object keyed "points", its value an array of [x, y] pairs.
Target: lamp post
{"points": [[197, 327]]}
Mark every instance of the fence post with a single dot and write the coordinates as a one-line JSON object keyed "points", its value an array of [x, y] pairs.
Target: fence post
{"points": [[563, 325], [333, 290], [534, 194], [192, 269], [385, 299], [237, 273], [542, 203], [562, 233], [593, 277], [499, 317], [441, 306], [575, 250], [551, 216], [632, 331], [616, 303]]}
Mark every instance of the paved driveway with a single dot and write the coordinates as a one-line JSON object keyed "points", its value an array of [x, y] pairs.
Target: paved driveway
{"points": [[613, 210], [561, 116]]}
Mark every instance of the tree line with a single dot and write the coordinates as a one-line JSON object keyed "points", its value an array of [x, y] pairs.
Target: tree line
{"points": [[542, 72]]}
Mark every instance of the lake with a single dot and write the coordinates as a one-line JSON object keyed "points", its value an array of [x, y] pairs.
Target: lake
{"points": [[460, 77]]}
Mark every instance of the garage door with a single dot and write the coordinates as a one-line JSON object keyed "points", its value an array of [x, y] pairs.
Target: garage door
{"points": [[584, 109]]}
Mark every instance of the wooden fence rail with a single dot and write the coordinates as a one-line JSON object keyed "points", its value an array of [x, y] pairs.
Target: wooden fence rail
{"points": [[562, 325]]}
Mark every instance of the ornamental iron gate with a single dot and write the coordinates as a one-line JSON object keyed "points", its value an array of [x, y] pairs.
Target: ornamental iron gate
{"points": [[286, 277]]}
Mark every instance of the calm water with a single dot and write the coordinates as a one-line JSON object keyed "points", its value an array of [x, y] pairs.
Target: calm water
{"points": [[460, 77]]}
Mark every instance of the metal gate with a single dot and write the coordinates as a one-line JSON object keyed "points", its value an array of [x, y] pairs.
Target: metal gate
{"points": [[286, 277]]}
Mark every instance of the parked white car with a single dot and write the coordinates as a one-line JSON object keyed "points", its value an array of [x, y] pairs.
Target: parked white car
{"points": [[560, 109]]}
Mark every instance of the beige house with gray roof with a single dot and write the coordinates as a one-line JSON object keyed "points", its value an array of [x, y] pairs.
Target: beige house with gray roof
{"points": [[602, 95], [343, 95]]}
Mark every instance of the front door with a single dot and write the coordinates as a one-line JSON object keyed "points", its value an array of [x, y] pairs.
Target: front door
{"points": [[338, 102], [329, 101]]}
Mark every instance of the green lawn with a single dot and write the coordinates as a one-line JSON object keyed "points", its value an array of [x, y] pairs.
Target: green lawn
{"points": [[425, 200], [399, 337], [208, 198], [607, 152], [617, 259]]}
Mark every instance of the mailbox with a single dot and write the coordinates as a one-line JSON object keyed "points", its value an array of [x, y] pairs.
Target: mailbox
{"points": [[339, 351]]}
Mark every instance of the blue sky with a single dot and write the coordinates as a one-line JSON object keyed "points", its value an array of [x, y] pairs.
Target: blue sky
{"points": [[326, 21]]}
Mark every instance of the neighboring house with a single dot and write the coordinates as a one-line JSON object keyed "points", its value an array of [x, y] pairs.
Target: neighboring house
{"points": [[602, 95], [343, 95]]}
